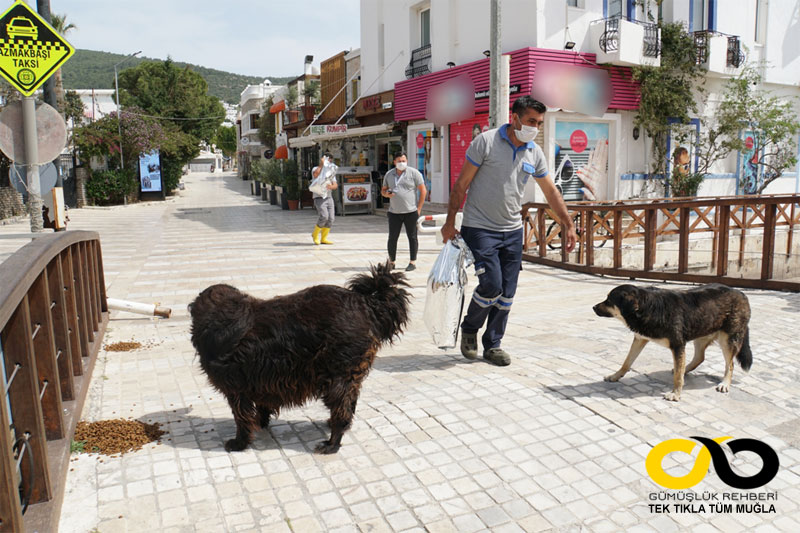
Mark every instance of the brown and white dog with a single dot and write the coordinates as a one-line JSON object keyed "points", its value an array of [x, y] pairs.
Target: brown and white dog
{"points": [[673, 318]]}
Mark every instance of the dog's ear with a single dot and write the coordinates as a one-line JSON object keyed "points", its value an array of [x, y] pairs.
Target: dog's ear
{"points": [[631, 299]]}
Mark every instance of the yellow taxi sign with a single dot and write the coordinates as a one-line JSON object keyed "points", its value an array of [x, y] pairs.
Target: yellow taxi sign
{"points": [[30, 49]]}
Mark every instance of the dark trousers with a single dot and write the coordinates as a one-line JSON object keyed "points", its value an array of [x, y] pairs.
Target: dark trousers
{"points": [[397, 221], [498, 256]]}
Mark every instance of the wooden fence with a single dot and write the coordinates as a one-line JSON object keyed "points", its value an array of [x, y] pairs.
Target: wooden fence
{"points": [[53, 315], [639, 231]]}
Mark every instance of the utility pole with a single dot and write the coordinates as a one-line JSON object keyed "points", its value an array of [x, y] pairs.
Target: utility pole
{"points": [[495, 104], [31, 162]]}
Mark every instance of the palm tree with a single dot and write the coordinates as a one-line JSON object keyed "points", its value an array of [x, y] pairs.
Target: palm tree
{"points": [[59, 23]]}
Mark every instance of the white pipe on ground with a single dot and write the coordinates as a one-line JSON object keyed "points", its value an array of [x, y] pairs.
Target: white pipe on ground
{"points": [[136, 307]]}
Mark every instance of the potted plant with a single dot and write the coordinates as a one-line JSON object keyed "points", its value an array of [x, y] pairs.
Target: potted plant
{"points": [[291, 184], [311, 94], [683, 184], [292, 114]]}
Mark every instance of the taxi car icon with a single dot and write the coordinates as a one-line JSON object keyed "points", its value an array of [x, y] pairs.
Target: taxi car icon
{"points": [[22, 27]]}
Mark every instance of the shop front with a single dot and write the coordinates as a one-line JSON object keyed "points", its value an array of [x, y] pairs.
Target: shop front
{"points": [[569, 140]]}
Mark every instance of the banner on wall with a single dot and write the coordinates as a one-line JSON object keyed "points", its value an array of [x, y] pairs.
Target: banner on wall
{"points": [[461, 134], [581, 163]]}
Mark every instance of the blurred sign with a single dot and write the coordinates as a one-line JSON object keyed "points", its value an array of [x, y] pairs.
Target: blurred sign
{"points": [[30, 49], [374, 104], [451, 101], [572, 87], [51, 133]]}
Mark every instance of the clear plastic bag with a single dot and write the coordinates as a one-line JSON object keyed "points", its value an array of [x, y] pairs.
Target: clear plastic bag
{"points": [[319, 184], [444, 300]]}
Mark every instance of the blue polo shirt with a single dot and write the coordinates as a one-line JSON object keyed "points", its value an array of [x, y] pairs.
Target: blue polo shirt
{"points": [[494, 199]]}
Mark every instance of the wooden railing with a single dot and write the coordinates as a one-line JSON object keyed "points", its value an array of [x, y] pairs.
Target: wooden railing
{"points": [[53, 315], [729, 232]]}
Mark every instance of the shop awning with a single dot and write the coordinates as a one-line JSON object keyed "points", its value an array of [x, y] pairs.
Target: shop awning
{"points": [[311, 140], [281, 152], [277, 108]]}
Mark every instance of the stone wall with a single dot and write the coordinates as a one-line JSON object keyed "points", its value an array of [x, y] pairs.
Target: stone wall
{"points": [[10, 203]]}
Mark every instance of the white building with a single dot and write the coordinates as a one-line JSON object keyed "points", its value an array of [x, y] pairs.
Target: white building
{"points": [[403, 40], [251, 108], [97, 103]]}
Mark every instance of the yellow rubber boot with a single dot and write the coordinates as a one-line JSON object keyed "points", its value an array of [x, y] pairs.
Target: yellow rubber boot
{"points": [[325, 232], [315, 234]]}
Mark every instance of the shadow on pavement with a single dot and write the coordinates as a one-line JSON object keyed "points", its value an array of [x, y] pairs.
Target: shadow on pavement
{"points": [[635, 385], [418, 362]]}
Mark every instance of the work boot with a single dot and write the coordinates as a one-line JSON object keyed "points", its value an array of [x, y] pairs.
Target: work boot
{"points": [[325, 232], [315, 234], [469, 345], [497, 356]]}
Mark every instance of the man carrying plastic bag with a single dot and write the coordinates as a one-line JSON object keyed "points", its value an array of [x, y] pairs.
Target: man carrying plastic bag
{"points": [[321, 186]]}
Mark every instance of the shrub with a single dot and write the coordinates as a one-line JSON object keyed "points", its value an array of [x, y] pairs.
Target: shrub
{"points": [[290, 182], [685, 184], [110, 187]]}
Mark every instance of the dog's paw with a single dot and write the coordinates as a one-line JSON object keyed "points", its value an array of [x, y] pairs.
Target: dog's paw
{"points": [[234, 445], [723, 387], [672, 396], [612, 378], [326, 448]]}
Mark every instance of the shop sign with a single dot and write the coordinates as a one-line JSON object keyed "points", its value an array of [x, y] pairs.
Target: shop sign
{"points": [[375, 103], [513, 89], [326, 129]]}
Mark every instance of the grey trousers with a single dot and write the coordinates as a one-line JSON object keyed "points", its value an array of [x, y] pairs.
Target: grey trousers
{"points": [[326, 211]]}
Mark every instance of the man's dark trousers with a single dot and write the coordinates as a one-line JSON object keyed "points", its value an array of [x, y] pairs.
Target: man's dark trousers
{"points": [[498, 256]]}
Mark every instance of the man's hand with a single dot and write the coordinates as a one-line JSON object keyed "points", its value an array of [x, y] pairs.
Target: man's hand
{"points": [[449, 232], [594, 174], [571, 237]]}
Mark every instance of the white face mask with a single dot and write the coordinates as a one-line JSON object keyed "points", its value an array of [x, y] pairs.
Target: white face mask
{"points": [[527, 133], [401, 166]]}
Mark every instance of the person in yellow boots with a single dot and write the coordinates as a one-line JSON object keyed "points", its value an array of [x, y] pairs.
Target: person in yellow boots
{"points": [[324, 203]]}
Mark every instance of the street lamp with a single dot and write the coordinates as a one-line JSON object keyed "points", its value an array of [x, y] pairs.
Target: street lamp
{"points": [[119, 118]]}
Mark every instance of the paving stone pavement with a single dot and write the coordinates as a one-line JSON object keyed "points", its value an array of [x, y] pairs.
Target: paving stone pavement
{"points": [[438, 443]]}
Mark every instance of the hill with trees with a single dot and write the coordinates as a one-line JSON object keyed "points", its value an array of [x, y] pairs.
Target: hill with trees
{"points": [[89, 69]]}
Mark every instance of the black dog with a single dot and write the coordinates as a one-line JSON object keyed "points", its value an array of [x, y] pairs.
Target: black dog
{"points": [[316, 343], [673, 318]]}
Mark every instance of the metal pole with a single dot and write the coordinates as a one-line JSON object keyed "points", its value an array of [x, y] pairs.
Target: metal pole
{"points": [[119, 118], [32, 166], [495, 104]]}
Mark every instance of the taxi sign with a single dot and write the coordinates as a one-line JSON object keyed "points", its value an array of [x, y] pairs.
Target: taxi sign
{"points": [[30, 49]]}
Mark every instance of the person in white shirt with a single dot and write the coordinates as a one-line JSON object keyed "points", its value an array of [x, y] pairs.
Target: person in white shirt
{"points": [[324, 204], [405, 189]]}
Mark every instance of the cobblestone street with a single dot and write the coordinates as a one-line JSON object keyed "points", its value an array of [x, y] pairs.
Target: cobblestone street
{"points": [[438, 443]]}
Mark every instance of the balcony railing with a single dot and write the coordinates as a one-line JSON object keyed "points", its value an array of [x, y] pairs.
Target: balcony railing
{"points": [[420, 62], [735, 55], [609, 40]]}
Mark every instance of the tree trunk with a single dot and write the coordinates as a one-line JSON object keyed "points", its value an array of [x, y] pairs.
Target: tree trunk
{"points": [[59, 91]]}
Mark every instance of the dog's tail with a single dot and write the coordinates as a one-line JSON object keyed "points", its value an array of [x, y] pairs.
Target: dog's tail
{"points": [[745, 356], [386, 297]]}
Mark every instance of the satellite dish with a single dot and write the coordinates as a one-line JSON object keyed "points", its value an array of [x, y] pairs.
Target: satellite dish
{"points": [[51, 131]]}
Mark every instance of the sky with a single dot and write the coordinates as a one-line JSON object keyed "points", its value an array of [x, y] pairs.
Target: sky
{"points": [[252, 37]]}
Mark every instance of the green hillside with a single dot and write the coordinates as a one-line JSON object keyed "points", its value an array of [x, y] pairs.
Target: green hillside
{"points": [[89, 69]]}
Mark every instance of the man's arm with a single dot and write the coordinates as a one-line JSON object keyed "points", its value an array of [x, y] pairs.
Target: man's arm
{"points": [[315, 172], [423, 192], [457, 195], [556, 203]]}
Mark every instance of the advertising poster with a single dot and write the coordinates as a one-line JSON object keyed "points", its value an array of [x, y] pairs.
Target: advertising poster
{"points": [[150, 172], [749, 173], [581, 160], [424, 165], [357, 189], [461, 134]]}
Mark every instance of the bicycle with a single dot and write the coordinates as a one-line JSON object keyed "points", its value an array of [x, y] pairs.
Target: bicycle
{"points": [[567, 179]]}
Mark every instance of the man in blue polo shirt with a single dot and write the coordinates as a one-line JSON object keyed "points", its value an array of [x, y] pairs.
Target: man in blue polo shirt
{"points": [[499, 164]]}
